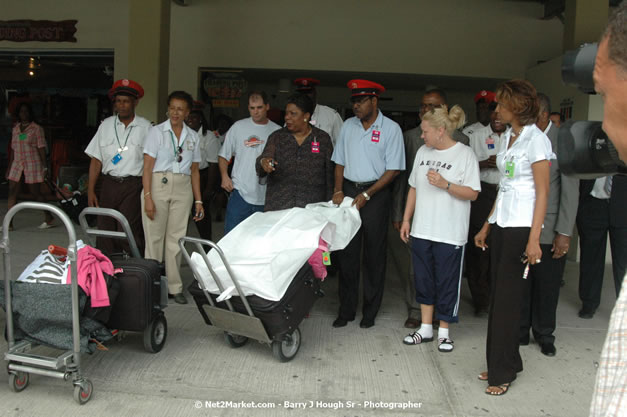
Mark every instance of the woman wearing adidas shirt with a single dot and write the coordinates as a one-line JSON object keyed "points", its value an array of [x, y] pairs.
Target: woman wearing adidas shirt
{"points": [[514, 226], [443, 181]]}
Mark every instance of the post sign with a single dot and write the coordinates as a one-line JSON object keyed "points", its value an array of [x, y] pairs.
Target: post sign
{"points": [[38, 30]]}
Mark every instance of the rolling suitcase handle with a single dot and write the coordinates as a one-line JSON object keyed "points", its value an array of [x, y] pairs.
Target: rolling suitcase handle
{"points": [[91, 232], [199, 246]]}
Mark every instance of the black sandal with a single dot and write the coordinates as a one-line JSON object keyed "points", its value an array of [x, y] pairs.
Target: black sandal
{"points": [[503, 389]]}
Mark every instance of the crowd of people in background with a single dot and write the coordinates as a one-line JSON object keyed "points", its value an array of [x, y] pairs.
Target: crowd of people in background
{"points": [[485, 200]]}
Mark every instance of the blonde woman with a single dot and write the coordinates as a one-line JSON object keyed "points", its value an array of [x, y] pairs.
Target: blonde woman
{"points": [[443, 181]]}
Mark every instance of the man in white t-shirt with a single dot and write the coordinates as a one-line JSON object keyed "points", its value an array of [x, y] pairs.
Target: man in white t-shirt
{"points": [[323, 117], [245, 141]]}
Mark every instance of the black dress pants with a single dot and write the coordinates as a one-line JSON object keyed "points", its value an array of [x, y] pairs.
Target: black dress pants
{"points": [[507, 292], [122, 195], [478, 260], [373, 235], [593, 224], [540, 303]]}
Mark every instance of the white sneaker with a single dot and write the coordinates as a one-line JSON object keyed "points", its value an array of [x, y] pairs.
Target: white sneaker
{"points": [[46, 225]]}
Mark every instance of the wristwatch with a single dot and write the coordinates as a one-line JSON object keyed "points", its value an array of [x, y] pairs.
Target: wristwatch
{"points": [[366, 196]]}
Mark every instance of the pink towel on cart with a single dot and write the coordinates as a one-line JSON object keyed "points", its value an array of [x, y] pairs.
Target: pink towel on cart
{"points": [[316, 262], [91, 266]]}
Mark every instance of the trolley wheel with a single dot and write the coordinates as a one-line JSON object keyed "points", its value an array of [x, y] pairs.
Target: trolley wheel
{"points": [[155, 334], [18, 381], [81, 395], [285, 350], [235, 340]]}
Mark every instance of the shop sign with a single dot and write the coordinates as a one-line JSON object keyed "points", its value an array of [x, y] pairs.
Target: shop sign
{"points": [[224, 88], [221, 102], [38, 30]]}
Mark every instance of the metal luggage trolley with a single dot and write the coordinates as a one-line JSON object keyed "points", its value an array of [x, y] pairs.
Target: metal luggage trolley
{"points": [[21, 364], [156, 332], [238, 327]]}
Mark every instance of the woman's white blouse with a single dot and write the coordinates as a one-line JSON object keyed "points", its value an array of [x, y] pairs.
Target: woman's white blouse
{"points": [[515, 201]]}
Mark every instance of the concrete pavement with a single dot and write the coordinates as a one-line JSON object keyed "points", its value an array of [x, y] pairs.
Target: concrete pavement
{"points": [[338, 372]]}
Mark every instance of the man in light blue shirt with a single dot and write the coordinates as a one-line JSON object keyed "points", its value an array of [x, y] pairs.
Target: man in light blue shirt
{"points": [[368, 155]]}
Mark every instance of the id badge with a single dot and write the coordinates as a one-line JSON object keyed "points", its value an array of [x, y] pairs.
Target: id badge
{"points": [[510, 167], [117, 158], [315, 147], [376, 134], [176, 167], [490, 142], [22, 136], [326, 258]]}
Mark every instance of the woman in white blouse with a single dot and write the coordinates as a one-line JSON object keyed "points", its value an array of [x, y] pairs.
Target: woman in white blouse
{"points": [[171, 184], [514, 226]]}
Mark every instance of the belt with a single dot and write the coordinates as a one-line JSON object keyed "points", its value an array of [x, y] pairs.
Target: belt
{"points": [[120, 180], [360, 185]]}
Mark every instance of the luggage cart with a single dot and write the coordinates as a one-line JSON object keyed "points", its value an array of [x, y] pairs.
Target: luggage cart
{"points": [[21, 363], [156, 331], [239, 322]]}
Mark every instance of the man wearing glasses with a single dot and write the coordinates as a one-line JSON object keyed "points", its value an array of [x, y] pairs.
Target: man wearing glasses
{"points": [[116, 152], [368, 156], [430, 100]]}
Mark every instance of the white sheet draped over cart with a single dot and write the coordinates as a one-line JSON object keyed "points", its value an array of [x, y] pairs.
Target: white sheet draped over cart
{"points": [[267, 249]]}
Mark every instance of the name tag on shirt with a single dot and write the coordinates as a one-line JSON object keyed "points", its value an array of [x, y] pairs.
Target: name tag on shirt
{"points": [[315, 147], [190, 146], [117, 158], [510, 166], [176, 168], [22, 136], [376, 134], [490, 142]]}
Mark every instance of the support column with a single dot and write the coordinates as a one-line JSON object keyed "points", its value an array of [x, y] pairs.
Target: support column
{"points": [[149, 54], [584, 21]]}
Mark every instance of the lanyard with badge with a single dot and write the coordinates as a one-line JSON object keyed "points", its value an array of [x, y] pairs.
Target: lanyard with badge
{"points": [[178, 156], [118, 157]]}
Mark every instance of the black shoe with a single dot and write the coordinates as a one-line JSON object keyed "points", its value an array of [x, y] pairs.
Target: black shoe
{"points": [[170, 295], [586, 314], [524, 341], [340, 322], [180, 298], [366, 323], [548, 349]]}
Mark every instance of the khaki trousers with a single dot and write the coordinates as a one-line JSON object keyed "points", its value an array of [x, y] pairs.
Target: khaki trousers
{"points": [[173, 202]]}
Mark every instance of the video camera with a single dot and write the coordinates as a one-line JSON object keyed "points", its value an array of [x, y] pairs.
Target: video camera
{"points": [[585, 150]]}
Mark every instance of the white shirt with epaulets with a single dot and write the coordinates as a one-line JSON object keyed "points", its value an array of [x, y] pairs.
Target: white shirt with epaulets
{"points": [[129, 143], [327, 119], [486, 143]]}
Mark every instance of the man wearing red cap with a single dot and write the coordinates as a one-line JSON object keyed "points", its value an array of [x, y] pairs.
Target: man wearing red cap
{"points": [[323, 117], [368, 155], [483, 99], [117, 151]]}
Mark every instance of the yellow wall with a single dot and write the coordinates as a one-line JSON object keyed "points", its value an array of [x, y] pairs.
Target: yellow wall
{"points": [[101, 25], [479, 38]]}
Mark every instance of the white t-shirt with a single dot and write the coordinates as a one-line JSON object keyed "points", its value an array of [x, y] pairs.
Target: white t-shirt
{"points": [[129, 143], [209, 148], [438, 215], [515, 201], [469, 130], [486, 143], [245, 140], [327, 119]]}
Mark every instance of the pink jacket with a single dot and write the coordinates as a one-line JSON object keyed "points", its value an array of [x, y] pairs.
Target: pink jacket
{"points": [[91, 265]]}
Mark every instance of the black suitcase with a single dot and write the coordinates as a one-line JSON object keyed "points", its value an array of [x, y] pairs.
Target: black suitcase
{"points": [[138, 304], [278, 317]]}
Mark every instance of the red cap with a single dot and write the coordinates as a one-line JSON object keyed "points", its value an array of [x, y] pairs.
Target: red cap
{"points": [[365, 88], [198, 105], [126, 87], [486, 95], [306, 84]]}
